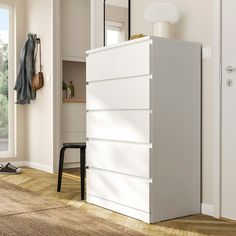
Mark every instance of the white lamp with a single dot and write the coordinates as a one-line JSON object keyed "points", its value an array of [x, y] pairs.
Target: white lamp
{"points": [[162, 15]]}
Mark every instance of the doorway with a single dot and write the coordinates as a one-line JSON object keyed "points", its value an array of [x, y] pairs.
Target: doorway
{"points": [[75, 40]]}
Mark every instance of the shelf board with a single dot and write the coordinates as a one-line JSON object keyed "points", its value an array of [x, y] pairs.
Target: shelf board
{"points": [[73, 58], [74, 100]]}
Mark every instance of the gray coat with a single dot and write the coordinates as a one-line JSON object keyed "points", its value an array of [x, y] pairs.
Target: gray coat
{"points": [[26, 72]]}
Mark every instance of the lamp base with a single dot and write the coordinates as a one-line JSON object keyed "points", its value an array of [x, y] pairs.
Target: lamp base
{"points": [[163, 29]]}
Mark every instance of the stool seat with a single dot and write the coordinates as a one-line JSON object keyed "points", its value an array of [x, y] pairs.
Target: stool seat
{"points": [[74, 145], [82, 147]]}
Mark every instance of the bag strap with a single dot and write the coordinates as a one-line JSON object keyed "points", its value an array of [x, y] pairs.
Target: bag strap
{"points": [[38, 48], [40, 59]]}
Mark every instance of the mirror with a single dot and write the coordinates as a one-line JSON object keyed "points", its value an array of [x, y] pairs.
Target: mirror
{"points": [[116, 21]]}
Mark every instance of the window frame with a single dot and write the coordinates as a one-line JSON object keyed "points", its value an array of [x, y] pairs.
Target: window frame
{"points": [[116, 27], [11, 80]]}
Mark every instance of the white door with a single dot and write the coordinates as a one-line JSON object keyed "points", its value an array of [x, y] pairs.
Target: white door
{"points": [[229, 109]]}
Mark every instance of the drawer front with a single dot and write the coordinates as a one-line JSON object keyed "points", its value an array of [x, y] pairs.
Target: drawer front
{"points": [[122, 189], [132, 93], [100, 66], [132, 60], [130, 126], [125, 158], [119, 62]]}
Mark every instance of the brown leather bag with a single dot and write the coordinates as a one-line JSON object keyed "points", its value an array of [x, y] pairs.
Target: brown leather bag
{"points": [[38, 79]]}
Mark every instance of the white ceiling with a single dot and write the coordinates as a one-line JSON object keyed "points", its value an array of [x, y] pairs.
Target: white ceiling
{"points": [[118, 3]]}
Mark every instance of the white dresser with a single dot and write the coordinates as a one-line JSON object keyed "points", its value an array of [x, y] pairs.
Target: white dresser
{"points": [[144, 128]]}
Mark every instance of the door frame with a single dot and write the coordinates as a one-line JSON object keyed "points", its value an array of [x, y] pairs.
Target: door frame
{"points": [[57, 89], [217, 72]]}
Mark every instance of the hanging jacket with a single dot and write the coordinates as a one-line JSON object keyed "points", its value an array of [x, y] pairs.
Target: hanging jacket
{"points": [[26, 72]]}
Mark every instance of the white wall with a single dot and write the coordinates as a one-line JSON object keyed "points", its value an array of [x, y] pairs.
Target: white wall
{"points": [[19, 20], [39, 114], [35, 129], [196, 24]]}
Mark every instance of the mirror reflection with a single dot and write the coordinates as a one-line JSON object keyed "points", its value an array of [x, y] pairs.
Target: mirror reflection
{"points": [[116, 21]]}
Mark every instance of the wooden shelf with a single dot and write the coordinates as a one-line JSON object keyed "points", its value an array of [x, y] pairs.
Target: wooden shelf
{"points": [[74, 59], [74, 100]]}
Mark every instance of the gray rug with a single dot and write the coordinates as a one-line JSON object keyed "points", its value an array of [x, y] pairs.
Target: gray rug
{"points": [[14, 200], [64, 221]]}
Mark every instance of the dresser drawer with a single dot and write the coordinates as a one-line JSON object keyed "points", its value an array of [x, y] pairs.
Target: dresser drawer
{"points": [[125, 158], [130, 93], [132, 60], [122, 189], [130, 126], [100, 66], [119, 62]]}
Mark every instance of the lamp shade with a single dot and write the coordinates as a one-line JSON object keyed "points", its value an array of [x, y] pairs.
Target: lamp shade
{"points": [[162, 12]]}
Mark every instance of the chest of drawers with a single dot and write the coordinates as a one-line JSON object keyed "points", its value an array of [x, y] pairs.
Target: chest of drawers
{"points": [[144, 128]]}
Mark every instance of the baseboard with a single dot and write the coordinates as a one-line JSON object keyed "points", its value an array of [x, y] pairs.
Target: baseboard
{"points": [[16, 163], [207, 209], [32, 165], [40, 166], [37, 166]]}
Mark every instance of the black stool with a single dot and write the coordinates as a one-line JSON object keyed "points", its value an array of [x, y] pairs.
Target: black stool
{"points": [[82, 147]]}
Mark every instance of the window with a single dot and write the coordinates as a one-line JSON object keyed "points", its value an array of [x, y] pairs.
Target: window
{"points": [[114, 32], [6, 82]]}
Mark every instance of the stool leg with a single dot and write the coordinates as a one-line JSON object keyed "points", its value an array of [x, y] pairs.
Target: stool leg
{"points": [[82, 171], [61, 163]]}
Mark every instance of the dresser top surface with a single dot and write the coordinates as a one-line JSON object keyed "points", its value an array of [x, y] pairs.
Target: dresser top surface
{"points": [[139, 40], [143, 39]]}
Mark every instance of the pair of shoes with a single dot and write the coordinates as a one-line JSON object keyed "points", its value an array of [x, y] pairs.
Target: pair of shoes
{"points": [[9, 169]]}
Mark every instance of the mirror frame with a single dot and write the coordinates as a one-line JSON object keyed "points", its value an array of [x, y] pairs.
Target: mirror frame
{"points": [[104, 21]]}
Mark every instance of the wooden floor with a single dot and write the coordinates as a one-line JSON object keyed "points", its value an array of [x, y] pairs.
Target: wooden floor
{"points": [[45, 184]]}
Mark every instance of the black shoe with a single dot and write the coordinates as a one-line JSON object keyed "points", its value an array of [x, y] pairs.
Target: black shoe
{"points": [[9, 169]]}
